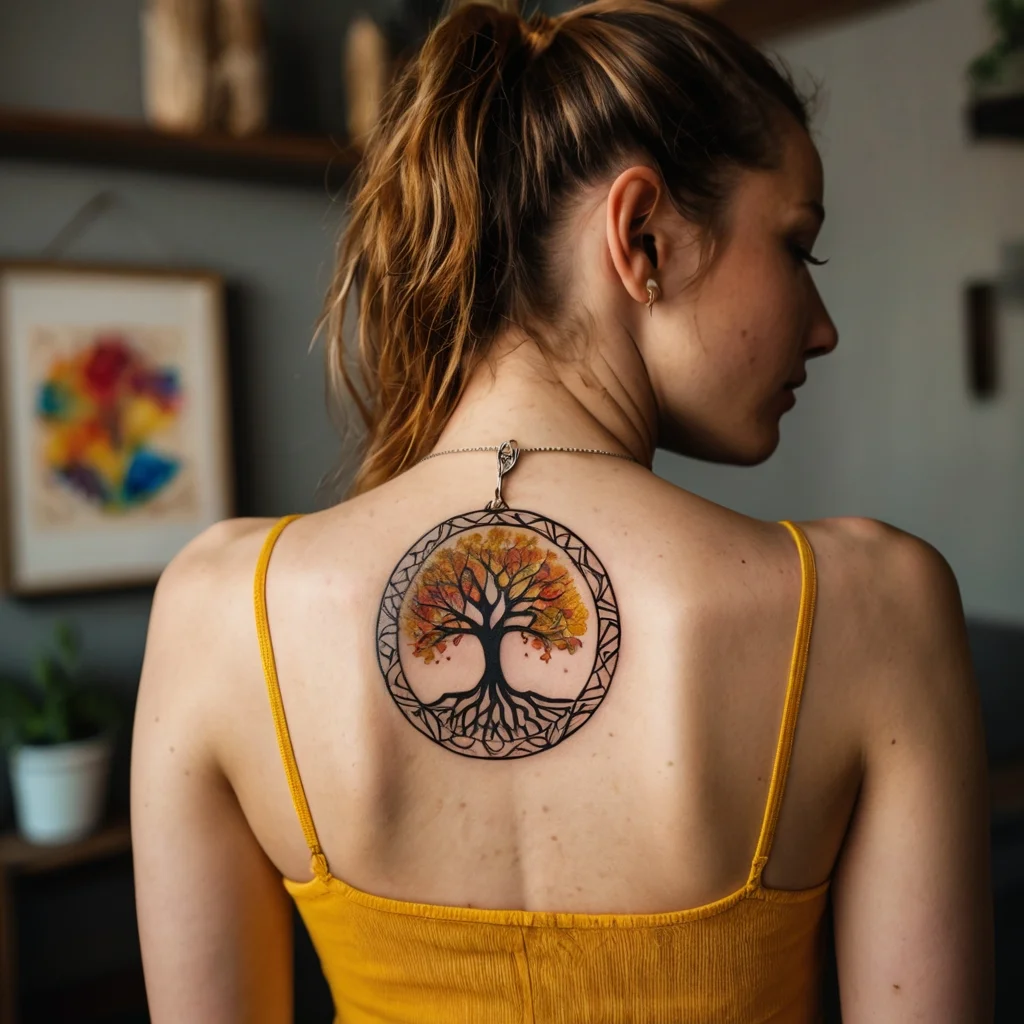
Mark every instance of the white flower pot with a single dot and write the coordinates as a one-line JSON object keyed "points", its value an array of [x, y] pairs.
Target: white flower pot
{"points": [[60, 790]]}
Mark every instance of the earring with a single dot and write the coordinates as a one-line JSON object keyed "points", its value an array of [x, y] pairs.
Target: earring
{"points": [[653, 291]]}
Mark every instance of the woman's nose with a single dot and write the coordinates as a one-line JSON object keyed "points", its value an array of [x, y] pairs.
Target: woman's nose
{"points": [[823, 335]]}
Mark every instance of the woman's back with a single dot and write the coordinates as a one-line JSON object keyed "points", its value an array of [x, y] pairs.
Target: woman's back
{"points": [[653, 806], [657, 799]]}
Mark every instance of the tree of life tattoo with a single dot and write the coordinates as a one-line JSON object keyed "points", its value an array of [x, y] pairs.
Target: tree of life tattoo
{"points": [[498, 634]]}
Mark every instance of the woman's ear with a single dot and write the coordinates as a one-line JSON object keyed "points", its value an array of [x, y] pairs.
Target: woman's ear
{"points": [[631, 199]]}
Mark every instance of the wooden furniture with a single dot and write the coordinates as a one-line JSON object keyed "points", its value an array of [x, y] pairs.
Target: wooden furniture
{"points": [[1001, 118], [18, 857], [279, 159], [310, 160]]}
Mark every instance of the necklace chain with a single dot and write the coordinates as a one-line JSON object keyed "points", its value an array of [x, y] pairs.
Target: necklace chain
{"points": [[508, 455], [542, 448]]}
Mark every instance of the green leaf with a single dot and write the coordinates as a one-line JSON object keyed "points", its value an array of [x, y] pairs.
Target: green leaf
{"points": [[59, 710], [1008, 18], [16, 710], [66, 638], [984, 69]]}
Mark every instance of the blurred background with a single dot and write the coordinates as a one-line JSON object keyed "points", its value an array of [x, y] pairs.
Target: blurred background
{"points": [[917, 419]]}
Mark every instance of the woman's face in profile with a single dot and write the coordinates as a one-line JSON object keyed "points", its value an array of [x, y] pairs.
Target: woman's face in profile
{"points": [[752, 325]]}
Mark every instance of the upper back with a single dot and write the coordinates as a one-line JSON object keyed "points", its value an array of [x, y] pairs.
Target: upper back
{"points": [[448, 879], [654, 803]]}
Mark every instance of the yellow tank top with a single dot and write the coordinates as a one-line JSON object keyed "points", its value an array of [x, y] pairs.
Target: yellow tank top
{"points": [[754, 955]]}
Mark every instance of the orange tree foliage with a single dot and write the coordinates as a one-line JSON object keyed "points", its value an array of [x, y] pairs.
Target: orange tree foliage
{"points": [[498, 583]]}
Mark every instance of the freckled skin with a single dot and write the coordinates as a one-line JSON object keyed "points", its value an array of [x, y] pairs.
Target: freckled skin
{"points": [[719, 357]]}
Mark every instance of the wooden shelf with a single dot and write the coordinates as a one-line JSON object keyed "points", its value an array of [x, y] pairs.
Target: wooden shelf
{"points": [[1001, 118], [281, 159], [757, 19], [17, 854]]}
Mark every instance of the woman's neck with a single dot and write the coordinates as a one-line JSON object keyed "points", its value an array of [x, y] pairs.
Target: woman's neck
{"points": [[516, 393]]}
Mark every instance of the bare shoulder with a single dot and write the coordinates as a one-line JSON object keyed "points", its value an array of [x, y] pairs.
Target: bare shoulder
{"points": [[896, 578], [890, 614], [201, 607], [200, 646], [214, 556], [867, 544]]}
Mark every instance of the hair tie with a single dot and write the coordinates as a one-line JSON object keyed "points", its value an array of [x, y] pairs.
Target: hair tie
{"points": [[538, 32]]}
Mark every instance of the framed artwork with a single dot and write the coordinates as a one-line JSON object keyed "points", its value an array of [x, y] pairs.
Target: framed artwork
{"points": [[114, 410]]}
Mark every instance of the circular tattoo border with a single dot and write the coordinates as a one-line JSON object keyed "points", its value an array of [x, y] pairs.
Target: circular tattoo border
{"points": [[589, 567]]}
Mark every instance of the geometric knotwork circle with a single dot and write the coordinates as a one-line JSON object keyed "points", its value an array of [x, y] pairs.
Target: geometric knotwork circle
{"points": [[498, 634]]}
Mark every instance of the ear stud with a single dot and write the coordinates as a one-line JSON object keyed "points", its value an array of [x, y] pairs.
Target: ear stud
{"points": [[653, 292]]}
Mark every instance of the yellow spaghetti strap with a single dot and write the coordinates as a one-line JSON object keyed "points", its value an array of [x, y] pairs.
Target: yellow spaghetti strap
{"points": [[284, 742], [794, 689]]}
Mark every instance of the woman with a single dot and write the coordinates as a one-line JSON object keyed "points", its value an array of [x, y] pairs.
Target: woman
{"points": [[557, 743]]}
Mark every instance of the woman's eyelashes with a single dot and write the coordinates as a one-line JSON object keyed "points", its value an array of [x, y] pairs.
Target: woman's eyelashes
{"points": [[803, 256]]}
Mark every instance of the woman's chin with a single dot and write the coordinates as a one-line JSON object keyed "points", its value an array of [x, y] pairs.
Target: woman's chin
{"points": [[758, 452], [754, 445]]}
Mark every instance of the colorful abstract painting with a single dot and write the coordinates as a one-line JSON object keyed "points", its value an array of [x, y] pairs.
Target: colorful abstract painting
{"points": [[104, 408], [115, 450]]}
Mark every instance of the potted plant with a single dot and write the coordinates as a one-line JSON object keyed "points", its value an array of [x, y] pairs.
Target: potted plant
{"points": [[59, 737], [1000, 69]]}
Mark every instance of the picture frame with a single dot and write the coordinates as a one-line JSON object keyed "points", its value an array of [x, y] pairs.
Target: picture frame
{"points": [[114, 422]]}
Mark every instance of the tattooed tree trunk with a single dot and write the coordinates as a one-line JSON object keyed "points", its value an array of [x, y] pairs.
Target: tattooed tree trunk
{"points": [[494, 713]]}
